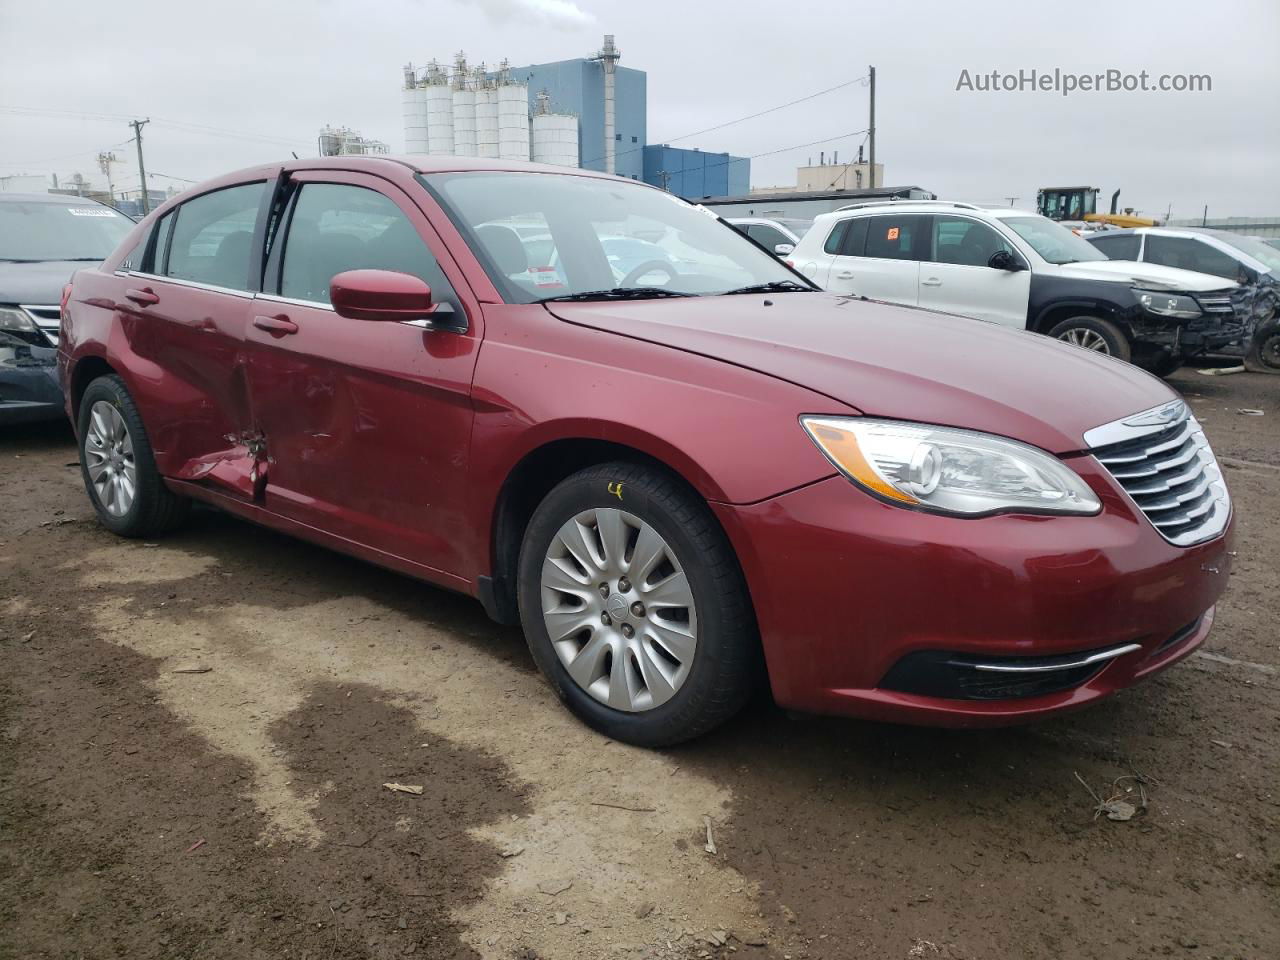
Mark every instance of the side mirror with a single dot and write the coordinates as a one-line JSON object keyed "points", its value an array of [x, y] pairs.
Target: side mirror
{"points": [[1004, 260], [782, 249], [381, 295]]}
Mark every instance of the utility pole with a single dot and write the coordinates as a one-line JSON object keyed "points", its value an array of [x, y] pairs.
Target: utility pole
{"points": [[872, 130], [105, 160], [142, 169], [1204, 221]]}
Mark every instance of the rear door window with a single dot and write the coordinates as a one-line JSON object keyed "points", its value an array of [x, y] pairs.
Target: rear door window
{"points": [[213, 237], [896, 237], [337, 227], [855, 240], [1119, 248]]}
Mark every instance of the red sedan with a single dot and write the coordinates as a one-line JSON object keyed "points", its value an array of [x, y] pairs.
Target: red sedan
{"points": [[617, 421]]}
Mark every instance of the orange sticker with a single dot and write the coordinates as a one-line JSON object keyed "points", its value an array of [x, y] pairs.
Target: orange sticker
{"points": [[893, 234]]}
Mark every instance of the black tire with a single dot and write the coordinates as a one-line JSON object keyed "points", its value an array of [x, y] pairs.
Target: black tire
{"points": [[726, 661], [1116, 342], [1264, 350], [155, 508]]}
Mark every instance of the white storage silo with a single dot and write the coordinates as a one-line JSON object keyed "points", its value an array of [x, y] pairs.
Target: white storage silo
{"points": [[513, 121], [555, 135], [464, 110], [486, 118], [439, 112], [413, 107]]}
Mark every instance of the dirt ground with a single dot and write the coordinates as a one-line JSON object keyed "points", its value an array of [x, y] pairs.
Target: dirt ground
{"points": [[195, 735]]}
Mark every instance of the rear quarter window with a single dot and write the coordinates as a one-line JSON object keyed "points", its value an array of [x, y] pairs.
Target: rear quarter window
{"points": [[835, 239]]}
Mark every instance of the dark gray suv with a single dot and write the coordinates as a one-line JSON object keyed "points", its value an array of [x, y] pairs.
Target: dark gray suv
{"points": [[44, 239]]}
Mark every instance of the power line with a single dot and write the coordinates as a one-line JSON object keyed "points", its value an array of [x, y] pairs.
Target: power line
{"points": [[65, 156], [795, 146], [730, 123], [184, 125]]}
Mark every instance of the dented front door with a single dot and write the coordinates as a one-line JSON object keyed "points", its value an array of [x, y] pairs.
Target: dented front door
{"points": [[365, 425]]}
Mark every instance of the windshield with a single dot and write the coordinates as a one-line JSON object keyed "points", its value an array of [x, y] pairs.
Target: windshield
{"points": [[543, 236], [1258, 249], [38, 230], [1054, 242]]}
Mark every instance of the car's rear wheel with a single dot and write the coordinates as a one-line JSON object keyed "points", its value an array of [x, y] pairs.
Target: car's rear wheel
{"points": [[118, 467], [1093, 333], [634, 606]]}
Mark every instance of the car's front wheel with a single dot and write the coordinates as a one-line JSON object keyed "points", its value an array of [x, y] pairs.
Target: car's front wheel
{"points": [[119, 470], [1093, 333], [634, 606], [1264, 350]]}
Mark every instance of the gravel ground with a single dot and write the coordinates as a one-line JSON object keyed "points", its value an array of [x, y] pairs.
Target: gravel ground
{"points": [[195, 736]]}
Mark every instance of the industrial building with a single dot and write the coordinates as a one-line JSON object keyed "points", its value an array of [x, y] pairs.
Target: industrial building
{"points": [[345, 142], [696, 173], [587, 112]]}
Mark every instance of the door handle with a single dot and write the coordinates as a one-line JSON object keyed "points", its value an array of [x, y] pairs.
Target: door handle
{"points": [[845, 275], [276, 326], [143, 298], [931, 282]]}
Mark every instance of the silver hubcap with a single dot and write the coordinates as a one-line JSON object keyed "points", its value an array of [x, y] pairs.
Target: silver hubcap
{"points": [[619, 610], [1089, 339], [108, 451]]}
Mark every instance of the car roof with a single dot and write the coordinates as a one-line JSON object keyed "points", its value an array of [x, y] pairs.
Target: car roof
{"points": [[925, 206]]}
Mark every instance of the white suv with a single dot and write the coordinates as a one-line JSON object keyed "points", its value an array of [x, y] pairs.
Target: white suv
{"points": [[1021, 270]]}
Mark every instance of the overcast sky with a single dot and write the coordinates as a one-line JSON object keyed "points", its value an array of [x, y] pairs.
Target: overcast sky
{"points": [[273, 71]]}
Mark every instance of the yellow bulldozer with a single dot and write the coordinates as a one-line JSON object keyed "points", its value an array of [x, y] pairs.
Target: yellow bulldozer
{"points": [[1081, 203]]}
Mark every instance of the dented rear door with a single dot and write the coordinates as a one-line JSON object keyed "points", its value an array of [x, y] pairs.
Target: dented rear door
{"points": [[184, 315]]}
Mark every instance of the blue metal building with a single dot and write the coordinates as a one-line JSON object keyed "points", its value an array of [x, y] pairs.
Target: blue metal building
{"points": [[694, 174], [577, 87]]}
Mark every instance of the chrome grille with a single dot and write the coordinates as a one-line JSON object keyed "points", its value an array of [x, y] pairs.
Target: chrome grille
{"points": [[1217, 303], [1164, 463], [47, 318]]}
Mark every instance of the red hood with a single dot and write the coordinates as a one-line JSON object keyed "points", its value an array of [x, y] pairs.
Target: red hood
{"points": [[898, 362]]}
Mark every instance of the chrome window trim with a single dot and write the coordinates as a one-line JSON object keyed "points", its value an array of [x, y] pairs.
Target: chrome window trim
{"points": [[1098, 657], [295, 301], [423, 324], [192, 284]]}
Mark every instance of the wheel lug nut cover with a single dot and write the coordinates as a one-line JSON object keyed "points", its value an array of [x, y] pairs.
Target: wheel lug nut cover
{"points": [[637, 609], [628, 631], [606, 619], [624, 585]]}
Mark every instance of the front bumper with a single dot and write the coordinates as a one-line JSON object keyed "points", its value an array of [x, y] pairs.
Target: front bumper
{"points": [[845, 587], [29, 388]]}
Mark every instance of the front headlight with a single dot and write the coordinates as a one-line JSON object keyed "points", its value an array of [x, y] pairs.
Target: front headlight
{"points": [[17, 321], [949, 471], [1168, 304]]}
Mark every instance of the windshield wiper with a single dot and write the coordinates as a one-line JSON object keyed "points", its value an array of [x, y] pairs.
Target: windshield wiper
{"points": [[773, 286], [617, 293]]}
